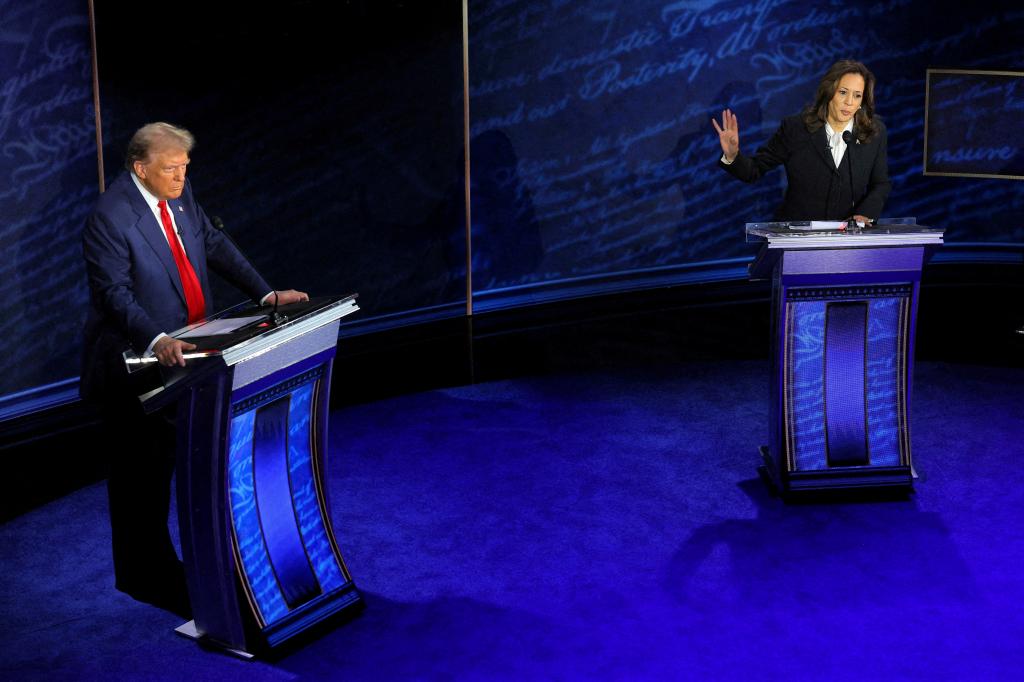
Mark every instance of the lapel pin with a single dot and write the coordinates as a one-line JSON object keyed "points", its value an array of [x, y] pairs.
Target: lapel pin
{"points": [[180, 209]]}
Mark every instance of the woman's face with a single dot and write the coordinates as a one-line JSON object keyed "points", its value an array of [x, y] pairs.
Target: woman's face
{"points": [[846, 101]]}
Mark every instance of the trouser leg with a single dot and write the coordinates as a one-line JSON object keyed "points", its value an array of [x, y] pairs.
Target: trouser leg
{"points": [[141, 465]]}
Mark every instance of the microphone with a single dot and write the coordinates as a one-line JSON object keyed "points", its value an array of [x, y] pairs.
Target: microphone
{"points": [[219, 224], [850, 140], [828, 150]]}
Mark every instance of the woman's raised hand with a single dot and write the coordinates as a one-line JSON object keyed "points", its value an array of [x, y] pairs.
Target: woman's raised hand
{"points": [[728, 135]]}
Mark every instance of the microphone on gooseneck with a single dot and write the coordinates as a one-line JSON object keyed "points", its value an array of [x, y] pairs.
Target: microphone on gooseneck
{"points": [[219, 224], [850, 140], [829, 150]]}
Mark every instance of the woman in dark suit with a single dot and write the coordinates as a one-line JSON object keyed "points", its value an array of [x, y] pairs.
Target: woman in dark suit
{"points": [[834, 151]]}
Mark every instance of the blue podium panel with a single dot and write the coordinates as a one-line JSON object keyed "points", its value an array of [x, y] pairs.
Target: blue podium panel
{"points": [[289, 560], [845, 377]]}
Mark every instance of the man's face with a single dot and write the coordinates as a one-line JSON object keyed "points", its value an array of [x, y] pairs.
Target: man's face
{"points": [[164, 173]]}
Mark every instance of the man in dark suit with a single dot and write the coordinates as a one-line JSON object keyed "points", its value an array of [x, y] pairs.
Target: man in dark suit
{"points": [[148, 250], [834, 152]]}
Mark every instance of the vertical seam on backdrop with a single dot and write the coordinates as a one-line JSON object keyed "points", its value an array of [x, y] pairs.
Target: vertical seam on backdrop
{"points": [[465, 144], [96, 97]]}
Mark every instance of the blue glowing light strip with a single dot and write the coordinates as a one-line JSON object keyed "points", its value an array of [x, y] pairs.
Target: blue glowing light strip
{"points": [[845, 359], [255, 563], [274, 502], [308, 505], [885, 380], [805, 394]]}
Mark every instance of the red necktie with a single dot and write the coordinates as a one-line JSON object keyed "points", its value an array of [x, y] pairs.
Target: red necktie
{"points": [[189, 281]]}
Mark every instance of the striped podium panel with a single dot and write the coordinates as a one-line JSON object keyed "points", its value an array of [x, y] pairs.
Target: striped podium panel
{"points": [[844, 306], [288, 559]]}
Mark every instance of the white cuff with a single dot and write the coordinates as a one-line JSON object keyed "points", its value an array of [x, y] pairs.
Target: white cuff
{"points": [[149, 348]]}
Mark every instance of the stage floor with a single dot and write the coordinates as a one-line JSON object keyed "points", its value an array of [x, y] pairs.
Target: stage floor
{"points": [[599, 525]]}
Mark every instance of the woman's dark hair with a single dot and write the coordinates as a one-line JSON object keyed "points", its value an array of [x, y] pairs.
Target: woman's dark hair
{"points": [[864, 125]]}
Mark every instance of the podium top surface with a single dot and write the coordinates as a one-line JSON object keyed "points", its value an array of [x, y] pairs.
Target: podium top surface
{"points": [[256, 330], [257, 334], [817, 235]]}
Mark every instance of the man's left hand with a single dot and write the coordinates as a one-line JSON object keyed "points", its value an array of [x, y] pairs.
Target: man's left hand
{"points": [[286, 297]]}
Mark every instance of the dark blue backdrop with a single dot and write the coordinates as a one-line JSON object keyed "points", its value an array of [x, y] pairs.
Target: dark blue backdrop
{"points": [[599, 153], [48, 184], [331, 141]]}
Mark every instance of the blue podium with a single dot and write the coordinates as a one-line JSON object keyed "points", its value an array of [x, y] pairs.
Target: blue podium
{"points": [[261, 560], [844, 304]]}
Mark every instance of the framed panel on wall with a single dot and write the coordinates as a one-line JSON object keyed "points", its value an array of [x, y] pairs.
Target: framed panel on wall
{"points": [[972, 121]]}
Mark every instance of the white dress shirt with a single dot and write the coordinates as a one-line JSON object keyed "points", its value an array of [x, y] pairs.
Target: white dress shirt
{"points": [[154, 206], [835, 141]]}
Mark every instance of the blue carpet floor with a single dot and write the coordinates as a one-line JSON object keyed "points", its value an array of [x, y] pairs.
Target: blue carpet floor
{"points": [[604, 526]]}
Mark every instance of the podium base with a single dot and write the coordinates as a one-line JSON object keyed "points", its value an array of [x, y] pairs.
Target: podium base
{"points": [[898, 479], [189, 630]]}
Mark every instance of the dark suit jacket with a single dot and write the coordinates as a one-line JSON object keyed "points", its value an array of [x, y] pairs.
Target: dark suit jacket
{"points": [[135, 292], [817, 190]]}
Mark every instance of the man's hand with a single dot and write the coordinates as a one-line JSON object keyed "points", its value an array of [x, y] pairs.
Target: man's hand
{"points": [[286, 297], [170, 351]]}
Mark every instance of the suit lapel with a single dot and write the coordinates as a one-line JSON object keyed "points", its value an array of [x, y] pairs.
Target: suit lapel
{"points": [[188, 234], [820, 141], [854, 149], [151, 230]]}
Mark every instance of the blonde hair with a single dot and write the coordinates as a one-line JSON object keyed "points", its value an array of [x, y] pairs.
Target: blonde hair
{"points": [[154, 135]]}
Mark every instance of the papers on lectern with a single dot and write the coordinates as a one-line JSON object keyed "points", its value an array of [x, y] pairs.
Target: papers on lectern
{"points": [[819, 225], [218, 327]]}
